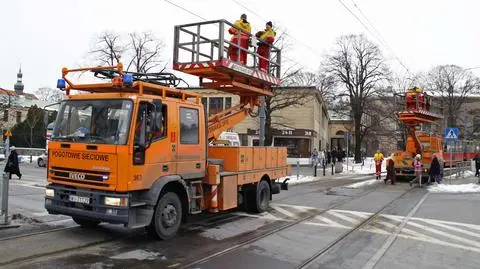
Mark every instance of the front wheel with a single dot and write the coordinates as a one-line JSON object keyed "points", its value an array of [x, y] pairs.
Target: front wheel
{"points": [[167, 217], [85, 223]]}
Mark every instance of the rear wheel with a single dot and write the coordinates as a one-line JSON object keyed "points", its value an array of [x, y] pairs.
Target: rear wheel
{"points": [[258, 197], [167, 217], [85, 223]]}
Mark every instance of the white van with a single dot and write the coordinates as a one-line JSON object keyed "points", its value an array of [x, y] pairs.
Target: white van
{"points": [[228, 139]]}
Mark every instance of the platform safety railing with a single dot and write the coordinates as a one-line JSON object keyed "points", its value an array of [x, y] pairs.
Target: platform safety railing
{"points": [[209, 41]]}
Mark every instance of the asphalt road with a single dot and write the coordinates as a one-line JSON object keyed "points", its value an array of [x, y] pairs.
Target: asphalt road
{"points": [[413, 229]]}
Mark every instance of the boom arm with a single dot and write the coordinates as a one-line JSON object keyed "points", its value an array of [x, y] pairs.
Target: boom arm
{"points": [[226, 119]]}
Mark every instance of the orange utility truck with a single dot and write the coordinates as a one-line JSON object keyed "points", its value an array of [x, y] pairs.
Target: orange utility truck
{"points": [[414, 112], [135, 150]]}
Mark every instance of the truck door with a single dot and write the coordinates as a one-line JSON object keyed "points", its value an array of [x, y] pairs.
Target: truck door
{"points": [[151, 137], [191, 142]]}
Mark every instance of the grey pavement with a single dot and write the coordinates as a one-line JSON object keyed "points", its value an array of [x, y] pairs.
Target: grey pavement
{"points": [[437, 231]]}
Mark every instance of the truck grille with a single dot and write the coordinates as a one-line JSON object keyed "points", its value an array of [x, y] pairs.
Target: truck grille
{"points": [[79, 176]]}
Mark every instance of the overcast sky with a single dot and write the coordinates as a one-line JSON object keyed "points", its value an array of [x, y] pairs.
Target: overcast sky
{"points": [[44, 36]]}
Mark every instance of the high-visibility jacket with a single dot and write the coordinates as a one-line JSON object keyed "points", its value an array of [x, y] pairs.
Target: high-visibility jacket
{"points": [[378, 156], [244, 26], [268, 36]]}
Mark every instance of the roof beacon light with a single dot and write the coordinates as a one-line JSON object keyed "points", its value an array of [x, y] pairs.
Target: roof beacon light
{"points": [[61, 84], [127, 79]]}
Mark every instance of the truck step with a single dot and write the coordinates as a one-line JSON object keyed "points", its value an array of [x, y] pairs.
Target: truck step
{"points": [[196, 212], [137, 226]]}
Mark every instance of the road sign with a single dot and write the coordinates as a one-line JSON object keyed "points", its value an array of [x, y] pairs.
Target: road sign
{"points": [[8, 133], [451, 133]]}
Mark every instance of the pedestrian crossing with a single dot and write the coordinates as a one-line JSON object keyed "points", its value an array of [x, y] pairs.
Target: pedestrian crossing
{"points": [[458, 235]]}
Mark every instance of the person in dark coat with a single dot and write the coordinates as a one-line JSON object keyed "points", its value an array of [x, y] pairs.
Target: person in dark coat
{"points": [[477, 163], [12, 166], [435, 171], [390, 171]]}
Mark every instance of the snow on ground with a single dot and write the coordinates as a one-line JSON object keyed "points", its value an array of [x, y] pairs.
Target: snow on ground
{"points": [[362, 184], [301, 179], [460, 188], [467, 173], [367, 167]]}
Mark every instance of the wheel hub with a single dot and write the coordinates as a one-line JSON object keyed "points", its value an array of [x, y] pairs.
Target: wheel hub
{"points": [[169, 215]]}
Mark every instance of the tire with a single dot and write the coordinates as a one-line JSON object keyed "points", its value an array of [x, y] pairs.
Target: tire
{"points": [[41, 162], [167, 218], [85, 223], [258, 197]]}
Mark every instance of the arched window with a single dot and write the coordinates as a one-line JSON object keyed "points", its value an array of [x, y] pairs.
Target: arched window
{"points": [[340, 133]]}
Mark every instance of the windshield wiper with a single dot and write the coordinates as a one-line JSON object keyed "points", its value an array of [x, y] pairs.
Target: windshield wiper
{"points": [[71, 138], [94, 137]]}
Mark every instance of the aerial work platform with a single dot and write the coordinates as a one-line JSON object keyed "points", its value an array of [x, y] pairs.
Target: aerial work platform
{"points": [[202, 49]]}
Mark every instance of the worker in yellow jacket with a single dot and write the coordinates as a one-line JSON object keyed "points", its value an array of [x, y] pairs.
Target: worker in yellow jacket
{"points": [[266, 37], [378, 158], [245, 28]]}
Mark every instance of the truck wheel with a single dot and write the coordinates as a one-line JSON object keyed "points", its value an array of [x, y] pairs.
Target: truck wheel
{"points": [[167, 217], [258, 197], [86, 223]]}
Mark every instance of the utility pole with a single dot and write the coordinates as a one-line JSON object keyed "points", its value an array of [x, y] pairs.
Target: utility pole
{"points": [[262, 121]]}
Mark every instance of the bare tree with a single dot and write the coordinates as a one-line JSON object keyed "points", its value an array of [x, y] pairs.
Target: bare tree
{"points": [[108, 48], [453, 85], [139, 52], [145, 52], [50, 94], [34, 116], [358, 65]]}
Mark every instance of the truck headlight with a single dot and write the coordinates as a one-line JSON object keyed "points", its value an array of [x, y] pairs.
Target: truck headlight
{"points": [[49, 192], [116, 201]]}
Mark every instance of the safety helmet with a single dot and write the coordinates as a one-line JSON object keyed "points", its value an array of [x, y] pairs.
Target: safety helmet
{"points": [[418, 156]]}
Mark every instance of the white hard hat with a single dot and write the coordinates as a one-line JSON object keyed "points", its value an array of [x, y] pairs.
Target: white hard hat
{"points": [[13, 148], [418, 156]]}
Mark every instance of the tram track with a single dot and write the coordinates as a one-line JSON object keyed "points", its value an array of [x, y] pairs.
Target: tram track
{"points": [[190, 227], [243, 243]]}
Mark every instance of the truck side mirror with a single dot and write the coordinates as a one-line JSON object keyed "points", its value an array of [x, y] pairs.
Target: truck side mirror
{"points": [[138, 154]]}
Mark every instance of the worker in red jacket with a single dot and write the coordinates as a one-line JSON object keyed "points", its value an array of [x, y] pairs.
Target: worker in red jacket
{"points": [[233, 50], [266, 38]]}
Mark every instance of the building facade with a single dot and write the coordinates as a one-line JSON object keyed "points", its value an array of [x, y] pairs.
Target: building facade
{"points": [[301, 128]]}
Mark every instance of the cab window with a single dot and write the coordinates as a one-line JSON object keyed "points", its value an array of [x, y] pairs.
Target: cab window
{"points": [[189, 126]]}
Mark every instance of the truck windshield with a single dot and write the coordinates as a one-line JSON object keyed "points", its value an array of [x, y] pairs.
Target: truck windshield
{"points": [[93, 121]]}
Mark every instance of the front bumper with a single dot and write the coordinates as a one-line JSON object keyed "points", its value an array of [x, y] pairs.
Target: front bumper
{"points": [[96, 210]]}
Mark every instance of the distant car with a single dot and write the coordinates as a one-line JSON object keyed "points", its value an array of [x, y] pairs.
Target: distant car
{"points": [[42, 160]]}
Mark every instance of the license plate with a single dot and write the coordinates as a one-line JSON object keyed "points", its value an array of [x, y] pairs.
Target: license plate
{"points": [[79, 199]]}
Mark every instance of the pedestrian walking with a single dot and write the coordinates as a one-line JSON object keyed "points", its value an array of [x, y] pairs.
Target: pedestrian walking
{"points": [[12, 166], [314, 157], [321, 158], [329, 157], [390, 170], [378, 158], [477, 163], [435, 171], [418, 167]]}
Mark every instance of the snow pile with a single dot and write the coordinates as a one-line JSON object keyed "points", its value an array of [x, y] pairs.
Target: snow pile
{"points": [[461, 188], [301, 179], [365, 168], [361, 184]]}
